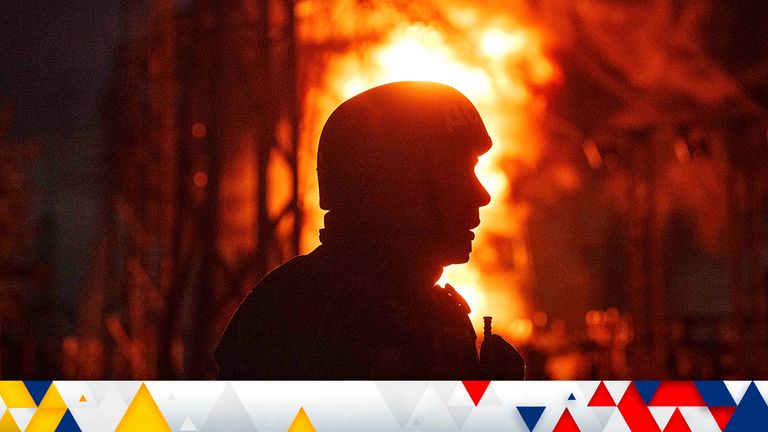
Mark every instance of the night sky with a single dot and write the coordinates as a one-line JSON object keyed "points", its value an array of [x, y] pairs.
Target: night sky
{"points": [[55, 59]]}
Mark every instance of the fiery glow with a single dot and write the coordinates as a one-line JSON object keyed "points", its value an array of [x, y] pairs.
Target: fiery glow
{"points": [[498, 44], [419, 53], [198, 130], [200, 179], [497, 68]]}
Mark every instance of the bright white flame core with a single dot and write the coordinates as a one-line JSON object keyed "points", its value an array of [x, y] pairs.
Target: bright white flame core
{"points": [[418, 52]]}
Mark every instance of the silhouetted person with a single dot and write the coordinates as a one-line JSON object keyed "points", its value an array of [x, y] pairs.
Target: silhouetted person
{"points": [[396, 174]]}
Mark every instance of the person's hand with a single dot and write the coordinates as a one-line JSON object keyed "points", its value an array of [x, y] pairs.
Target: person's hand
{"points": [[499, 360]]}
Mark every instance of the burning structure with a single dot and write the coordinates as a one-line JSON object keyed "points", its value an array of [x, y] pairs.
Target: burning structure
{"points": [[629, 175]]}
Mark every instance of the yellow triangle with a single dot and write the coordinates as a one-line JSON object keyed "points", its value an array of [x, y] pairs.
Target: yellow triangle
{"points": [[83, 399], [143, 414], [8, 424], [52, 399], [15, 395], [45, 419], [301, 423]]}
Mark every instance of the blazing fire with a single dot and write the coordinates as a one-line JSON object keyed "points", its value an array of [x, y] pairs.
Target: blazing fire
{"points": [[499, 67]]}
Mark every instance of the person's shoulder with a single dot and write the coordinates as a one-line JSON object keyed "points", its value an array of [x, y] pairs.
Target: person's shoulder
{"points": [[297, 267], [448, 298], [284, 292], [299, 278]]}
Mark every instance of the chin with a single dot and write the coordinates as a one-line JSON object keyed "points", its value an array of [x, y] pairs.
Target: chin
{"points": [[457, 254], [461, 260]]}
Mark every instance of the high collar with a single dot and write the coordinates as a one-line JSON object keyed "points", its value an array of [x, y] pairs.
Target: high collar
{"points": [[400, 258]]}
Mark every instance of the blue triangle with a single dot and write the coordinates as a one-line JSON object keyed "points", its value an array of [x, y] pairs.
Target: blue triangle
{"points": [[715, 393], [530, 415], [37, 389], [647, 389], [751, 412], [68, 423], [571, 397]]}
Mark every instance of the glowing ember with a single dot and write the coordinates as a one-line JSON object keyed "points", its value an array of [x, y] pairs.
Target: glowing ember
{"points": [[200, 179], [499, 78], [199, 131]]}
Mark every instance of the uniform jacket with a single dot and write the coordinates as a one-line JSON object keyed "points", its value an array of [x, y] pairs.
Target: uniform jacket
{"points": [[339, 314]]}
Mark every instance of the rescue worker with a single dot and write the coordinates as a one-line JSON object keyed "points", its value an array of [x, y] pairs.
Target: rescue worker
{"points": [[396, 175]]}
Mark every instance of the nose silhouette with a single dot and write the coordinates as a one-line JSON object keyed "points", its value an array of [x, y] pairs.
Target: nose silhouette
{"points": [[482, 197]]}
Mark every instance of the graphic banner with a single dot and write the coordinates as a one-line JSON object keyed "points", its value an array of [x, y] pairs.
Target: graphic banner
{"points": [[294, 406]]}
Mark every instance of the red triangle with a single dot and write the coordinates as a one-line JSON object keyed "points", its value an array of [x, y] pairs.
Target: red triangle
{"points": [[677, 393], [637, 415], [476, 389], [677, 423], [601, 397], [722, 415], [566, 423]]}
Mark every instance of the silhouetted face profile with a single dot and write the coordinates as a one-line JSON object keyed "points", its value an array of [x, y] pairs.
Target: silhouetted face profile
{"points": [[455, 202], [396, 165]]}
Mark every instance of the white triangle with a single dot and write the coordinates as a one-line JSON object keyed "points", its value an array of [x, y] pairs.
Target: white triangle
{"points": [[662, 414], [490, 398], [459, 414], [2, 407], [617, 389], [737, 389], [444, 389], [111, 409], [128, 389], [430, 414], [22, 416], [585, 418], [588, 389], [113, 401], [616, 423], [460, 397], [228, 413], [402, 397], [762, 388], [699, 419], [98, 389], [195, 399], [84, 416], [187, 425], [602, 414]]}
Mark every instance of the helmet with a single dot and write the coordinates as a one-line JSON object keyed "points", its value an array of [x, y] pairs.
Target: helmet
{"points": [[377, 149]]}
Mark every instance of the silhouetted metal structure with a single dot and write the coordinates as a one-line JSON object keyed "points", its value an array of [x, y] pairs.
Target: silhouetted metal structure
{"points": [[202, 132]]}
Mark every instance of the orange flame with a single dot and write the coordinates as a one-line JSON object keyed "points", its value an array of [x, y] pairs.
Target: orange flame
{"points": [[498, 68]]}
